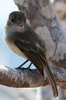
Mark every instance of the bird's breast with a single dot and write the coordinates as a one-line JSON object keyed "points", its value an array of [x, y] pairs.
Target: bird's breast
{"points": [[13, 47]]}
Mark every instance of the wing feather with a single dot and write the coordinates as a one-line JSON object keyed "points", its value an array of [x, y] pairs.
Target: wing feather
{"points": [[30, 54], [38, 59]]}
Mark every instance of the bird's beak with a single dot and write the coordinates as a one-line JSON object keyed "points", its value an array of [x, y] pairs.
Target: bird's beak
{"points": [[20, 24]]}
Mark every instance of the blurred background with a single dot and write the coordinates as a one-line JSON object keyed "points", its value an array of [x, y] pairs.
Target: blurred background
{"points": [[8, 58]]}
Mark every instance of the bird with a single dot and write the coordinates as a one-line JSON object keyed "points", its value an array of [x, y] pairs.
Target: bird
{"points": [[20, 38]]}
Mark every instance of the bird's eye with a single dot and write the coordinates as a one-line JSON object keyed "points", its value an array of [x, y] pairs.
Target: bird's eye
{"points": [[12, 20]]}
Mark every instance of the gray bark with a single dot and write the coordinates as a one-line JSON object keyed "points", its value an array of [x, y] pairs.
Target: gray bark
{"points": [[46, 92], [59, 1], [28, 77], [60, 7]]}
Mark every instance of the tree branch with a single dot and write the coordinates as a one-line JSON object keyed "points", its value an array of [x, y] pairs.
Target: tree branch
{"points": [[28, 77]]}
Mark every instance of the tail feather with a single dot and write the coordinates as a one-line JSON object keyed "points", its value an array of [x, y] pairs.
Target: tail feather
{"points": [[50, 77]]}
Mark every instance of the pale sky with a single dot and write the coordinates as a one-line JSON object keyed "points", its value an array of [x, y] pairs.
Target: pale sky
{"points": [[6, 6], [7, 56]]}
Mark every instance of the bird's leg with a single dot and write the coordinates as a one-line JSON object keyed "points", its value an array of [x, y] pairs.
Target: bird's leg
{"points": [[22, 64], [29, 65]]}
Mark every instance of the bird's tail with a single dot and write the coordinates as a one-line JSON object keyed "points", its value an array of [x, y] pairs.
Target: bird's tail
{"points": [[50, 77], [52, 81]]}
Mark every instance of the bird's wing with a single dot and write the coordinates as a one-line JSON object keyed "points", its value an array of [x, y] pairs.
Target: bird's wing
{"points": [[37, 57], [31, 53]]}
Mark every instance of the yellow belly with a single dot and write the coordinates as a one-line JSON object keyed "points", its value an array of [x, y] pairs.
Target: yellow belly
{"points": [[14, 48]]}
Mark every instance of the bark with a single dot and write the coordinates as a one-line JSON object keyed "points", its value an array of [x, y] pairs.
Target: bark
{"points": [[59, 1], [43, 93], [60, 8], [22, 78], [64, 91]]}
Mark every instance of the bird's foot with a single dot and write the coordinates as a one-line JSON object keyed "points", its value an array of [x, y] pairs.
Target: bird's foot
{"points": [[29, 66], [23, 68]]}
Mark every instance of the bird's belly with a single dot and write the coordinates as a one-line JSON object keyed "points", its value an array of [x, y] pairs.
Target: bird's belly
{"points": [[15, 49]]}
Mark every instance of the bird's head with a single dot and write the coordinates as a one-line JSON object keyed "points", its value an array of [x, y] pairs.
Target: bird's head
{"points": [[17, 18], [16, 22]]}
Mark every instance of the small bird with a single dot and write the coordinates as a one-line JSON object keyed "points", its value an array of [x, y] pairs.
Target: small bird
{"points": [[26, 43]]}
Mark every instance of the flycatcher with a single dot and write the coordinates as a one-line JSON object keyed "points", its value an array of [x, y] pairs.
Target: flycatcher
{"points": [[26, 43]]}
